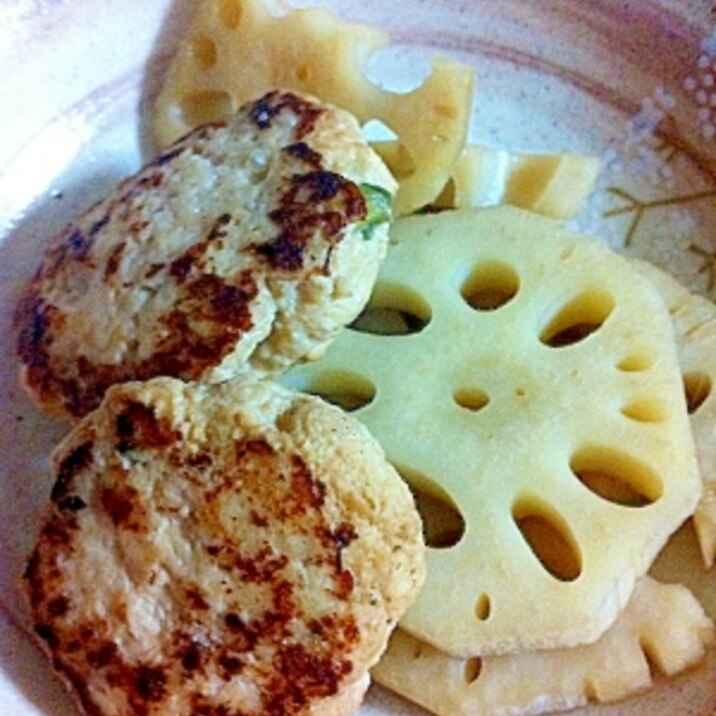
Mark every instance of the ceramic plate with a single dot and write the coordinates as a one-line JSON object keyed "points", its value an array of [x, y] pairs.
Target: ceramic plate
{"points": [[633, 82]]}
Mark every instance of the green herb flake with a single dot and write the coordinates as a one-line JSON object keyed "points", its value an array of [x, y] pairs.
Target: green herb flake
{"points": [[378, 208]]}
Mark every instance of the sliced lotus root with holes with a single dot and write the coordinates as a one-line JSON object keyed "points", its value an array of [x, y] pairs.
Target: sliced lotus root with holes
{"points": [[695, 324], [662, 625], [555, 185], [529, 387], [236, 50]]}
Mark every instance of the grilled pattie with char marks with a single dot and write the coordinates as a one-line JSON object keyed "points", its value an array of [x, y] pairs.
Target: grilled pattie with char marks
{"points": [[242, 248], [221, 549]]}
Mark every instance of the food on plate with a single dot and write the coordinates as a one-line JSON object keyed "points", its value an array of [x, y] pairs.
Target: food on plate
{"points": [[533, 395], [242, 248], [236, 50], [233, 548], [694, 320], [555, 185], [663, 626], [222, 546]]}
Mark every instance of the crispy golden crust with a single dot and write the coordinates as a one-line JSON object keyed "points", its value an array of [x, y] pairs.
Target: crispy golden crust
{"points": [[231, 549], [219, 257]]}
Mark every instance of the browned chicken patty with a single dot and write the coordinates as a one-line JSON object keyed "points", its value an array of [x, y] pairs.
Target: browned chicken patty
{"points": [[227, 550], [243, 248]]}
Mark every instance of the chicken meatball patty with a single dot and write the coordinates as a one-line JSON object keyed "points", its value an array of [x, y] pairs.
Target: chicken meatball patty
{"points": [[221, 549], [243, 248]]}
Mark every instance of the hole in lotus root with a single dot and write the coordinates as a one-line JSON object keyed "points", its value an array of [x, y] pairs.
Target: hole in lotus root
{"points": [[302, 72], [549, 537], [483, 607], [472, 399], [443, 525], [697, 387], [615, 476], [385, 143], [204, 52], [651, 656], [578, 319], [203, 107], [348, 391], [491, 285], [230, 12], [393, 311], [645, 410], [591, 693], [472, 670], [636, 363], [447, 198]]}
